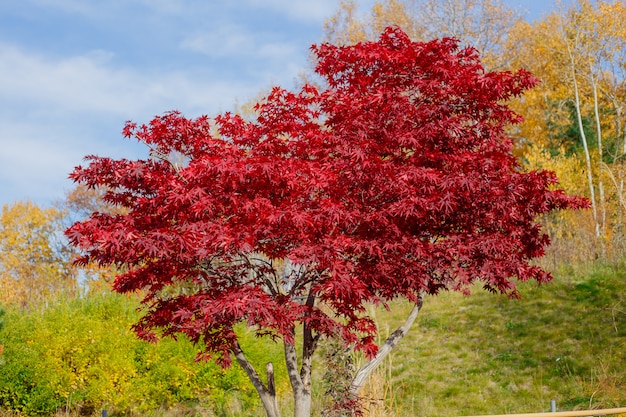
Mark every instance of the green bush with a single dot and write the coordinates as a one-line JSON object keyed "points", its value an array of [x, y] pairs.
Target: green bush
{"points": [[81, 355], [24, 384]]}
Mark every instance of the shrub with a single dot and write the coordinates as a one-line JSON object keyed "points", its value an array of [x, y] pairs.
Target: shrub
{"points": [[81, 355]]}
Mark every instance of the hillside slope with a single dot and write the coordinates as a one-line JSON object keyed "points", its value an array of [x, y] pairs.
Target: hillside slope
{"points": [[489, 354]]}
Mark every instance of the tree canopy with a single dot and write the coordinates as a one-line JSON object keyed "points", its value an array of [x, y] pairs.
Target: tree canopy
{"points": [[394, 180], [33, 263]]}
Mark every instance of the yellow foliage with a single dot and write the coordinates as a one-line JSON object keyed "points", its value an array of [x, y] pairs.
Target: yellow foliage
{"points": [[394, 13], [31, 267], [343, 28], [578, 53], [568, 169]]}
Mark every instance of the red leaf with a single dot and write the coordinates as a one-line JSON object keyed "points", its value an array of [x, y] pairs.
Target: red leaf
{"points": [[395, 179]]}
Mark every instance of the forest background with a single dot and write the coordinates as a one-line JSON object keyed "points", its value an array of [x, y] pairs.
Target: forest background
{"points": [[65, 339]]}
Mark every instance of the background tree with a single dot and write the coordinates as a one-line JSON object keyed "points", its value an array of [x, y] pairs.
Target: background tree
{"points": [[82, 201], [577, 52], [395, 181], [483, 24], [33, 264], [79, 204], [577, 111]]}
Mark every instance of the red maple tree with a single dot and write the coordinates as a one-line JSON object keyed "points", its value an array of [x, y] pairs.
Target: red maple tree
{"points": [[395, 180]]}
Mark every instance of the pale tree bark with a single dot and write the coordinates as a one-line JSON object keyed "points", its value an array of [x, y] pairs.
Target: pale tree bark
{"points": [[583, 138], [301, 387], [299, 373], [300, 378], [596, 112], [266, 393], [619, 187], [366, 370], [618, 107]]}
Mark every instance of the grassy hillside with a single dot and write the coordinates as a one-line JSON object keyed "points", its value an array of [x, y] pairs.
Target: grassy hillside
{"points": [[488, 354], [482, 354]]}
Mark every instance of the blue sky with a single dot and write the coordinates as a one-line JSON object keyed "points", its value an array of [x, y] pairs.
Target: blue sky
{"points": [[73, 71]]}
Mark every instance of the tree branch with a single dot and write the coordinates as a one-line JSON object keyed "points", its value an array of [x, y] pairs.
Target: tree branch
{"points": [[366, 370], [267, 394], [247, 366], [271, 385]]}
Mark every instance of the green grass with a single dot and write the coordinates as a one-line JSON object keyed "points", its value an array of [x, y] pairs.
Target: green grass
{"points": [[487, 354], [465, 355]]}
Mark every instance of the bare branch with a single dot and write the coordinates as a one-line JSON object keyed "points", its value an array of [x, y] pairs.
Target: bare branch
{"points": [[366, 370]]}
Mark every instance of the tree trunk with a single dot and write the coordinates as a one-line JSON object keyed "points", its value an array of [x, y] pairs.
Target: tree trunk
{"points": [[366, 370], [596, 112], [271, 389], [301, 390], [302, 404], [300, 380], [267, 394], [583, 138]]}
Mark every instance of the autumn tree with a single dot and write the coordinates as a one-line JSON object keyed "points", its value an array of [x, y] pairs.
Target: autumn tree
{"points": [[78, 204], [396, 180], [577, 111], [483, 24], [81, 201], [33, 263]]}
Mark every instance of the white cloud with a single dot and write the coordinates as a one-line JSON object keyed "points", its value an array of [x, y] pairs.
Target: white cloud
{"points": [[90, 83], [60, 101], [303, 10], [71, 83], [34, 161], [55, 110], [231, 40]]}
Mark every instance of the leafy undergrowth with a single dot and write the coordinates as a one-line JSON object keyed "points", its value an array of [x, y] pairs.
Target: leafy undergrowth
{"points": [[483, 354], [77, 357], [487, 354]]}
